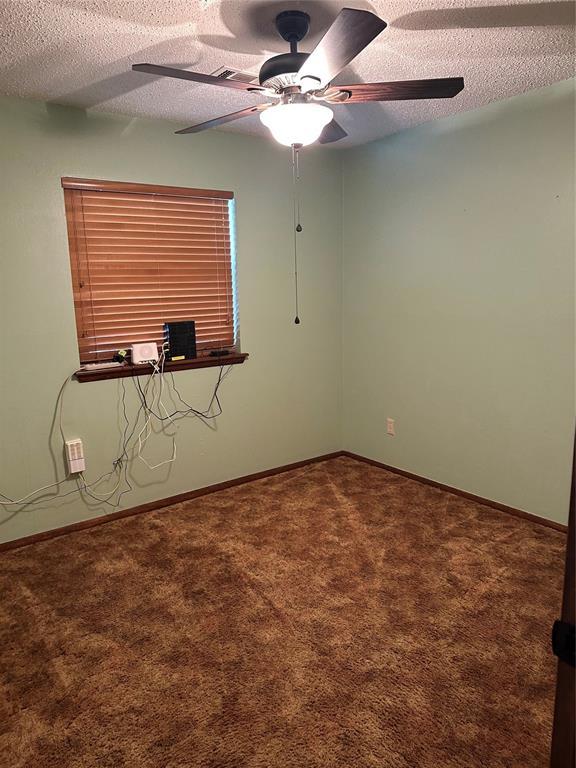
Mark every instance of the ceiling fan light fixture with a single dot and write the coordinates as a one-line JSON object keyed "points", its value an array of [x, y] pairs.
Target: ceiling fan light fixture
{"points": [[297, 123]]}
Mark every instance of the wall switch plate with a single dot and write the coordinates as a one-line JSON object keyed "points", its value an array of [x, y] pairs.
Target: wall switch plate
{"points": [[390, 427], [75, 456]]}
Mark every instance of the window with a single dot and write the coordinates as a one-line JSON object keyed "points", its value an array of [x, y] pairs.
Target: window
{"points": [[144, 255]]}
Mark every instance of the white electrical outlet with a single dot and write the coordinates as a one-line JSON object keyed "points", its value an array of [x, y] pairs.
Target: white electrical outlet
{"points": [[390, 427], [75, 456]]}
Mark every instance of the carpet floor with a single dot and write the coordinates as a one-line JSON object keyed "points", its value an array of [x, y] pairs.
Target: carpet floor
{"points": [[335, 616]]}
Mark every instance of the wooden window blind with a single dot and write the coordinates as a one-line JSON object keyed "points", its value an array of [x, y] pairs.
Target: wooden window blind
{"points": [[144, 255]]}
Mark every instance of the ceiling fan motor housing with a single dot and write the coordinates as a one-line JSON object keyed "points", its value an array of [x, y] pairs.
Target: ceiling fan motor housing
{"points": [[280, 71]]}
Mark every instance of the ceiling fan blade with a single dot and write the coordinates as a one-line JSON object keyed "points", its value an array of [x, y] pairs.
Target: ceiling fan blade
{"points": [[351, 31], [332, 132], [437, 88], [196, 77], [225, 119]]}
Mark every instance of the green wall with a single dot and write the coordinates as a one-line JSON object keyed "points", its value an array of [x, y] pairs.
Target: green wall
{"points": [[458, 300], [437, 288], [282, 405]]}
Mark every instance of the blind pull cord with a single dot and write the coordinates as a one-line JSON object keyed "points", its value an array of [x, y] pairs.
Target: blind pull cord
{"points": [[296, 218]]}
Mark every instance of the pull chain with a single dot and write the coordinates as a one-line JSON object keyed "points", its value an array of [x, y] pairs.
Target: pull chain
{"points": [[296, 217]]}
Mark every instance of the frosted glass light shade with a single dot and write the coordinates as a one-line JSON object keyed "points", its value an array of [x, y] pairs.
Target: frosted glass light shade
{"points": [[296, 123]]}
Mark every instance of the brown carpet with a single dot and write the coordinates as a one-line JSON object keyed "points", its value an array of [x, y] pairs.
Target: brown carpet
{"points": [[335, 615]]}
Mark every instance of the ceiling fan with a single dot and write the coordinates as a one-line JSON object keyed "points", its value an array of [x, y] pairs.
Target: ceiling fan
{"points": [[300, 83]]}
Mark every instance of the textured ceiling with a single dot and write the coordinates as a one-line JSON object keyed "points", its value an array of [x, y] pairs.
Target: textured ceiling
{"points": [[80, 51]]}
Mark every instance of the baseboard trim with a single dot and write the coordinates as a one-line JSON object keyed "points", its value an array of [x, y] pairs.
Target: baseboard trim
{"points": [[92, 522], [457, 492], [187, 495]]}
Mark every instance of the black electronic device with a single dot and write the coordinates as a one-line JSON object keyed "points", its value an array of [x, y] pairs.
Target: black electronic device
{"points": [[180, 340]]}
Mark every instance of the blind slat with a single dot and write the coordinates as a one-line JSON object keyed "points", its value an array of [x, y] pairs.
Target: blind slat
{"points": [[147, 216], [146, 199], [151, 207], [118, 289], [117, 341], [150, 306]]}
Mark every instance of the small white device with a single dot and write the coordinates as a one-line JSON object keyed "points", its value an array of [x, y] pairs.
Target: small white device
{"points": [[75, 456], [147, 352]]}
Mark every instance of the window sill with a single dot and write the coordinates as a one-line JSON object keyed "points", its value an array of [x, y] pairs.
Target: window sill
{"points": [[118, 372]]}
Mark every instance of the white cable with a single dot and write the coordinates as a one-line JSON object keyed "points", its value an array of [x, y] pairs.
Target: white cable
{"points": [[157, 368], [146, 429], [23, 500], [161, 463], [46, 487], [59, 482], [32, 493], [61, 398], [161, 371]]}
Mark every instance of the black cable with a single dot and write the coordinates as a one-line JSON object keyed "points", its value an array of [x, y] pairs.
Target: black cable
{"points": [[51, 496], [190, 410], [124, 455], [121, 463], [206, 414]]}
